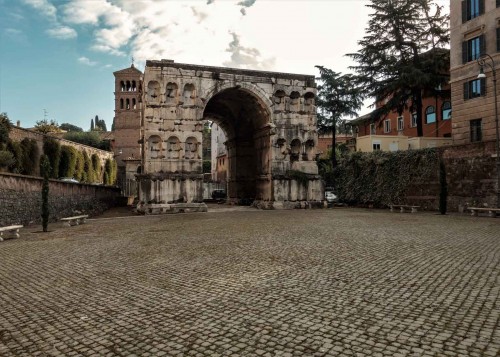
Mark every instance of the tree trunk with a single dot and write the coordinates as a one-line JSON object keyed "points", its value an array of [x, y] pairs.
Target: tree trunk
{"points": [[417, 95], [334, 144]]}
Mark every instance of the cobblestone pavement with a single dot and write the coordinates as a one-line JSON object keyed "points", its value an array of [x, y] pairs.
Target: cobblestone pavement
{"points": [[337, 282]]}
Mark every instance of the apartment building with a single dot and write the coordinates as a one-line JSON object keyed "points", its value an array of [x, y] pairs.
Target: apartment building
{"points": [[474, 27]]}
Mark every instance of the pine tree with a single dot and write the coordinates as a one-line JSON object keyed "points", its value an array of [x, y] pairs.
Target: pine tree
{"points": [[338, 97], [91, 124], [402, 55]]}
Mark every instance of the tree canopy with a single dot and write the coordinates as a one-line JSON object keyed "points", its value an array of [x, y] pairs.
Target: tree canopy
{"points": [[45, 126], [338, 97], [403, 54], [70, 127]]}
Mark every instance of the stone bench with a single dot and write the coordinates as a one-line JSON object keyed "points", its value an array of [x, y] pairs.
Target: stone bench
{"points": [[14, 230], [492, 212], [404, 208], [74, 221]]}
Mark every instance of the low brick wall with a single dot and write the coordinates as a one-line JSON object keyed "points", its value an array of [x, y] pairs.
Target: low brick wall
{"points": [[21, 197]]}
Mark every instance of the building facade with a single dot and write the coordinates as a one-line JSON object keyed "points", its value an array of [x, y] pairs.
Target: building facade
{"points": [[474, 27], [127, 126]]}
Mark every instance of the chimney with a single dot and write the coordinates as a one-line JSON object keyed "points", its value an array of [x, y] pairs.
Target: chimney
{"points": [[18, 123]]}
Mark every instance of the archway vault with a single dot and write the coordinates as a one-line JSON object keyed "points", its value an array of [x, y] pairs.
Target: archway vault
{"points": [[270, 125]]}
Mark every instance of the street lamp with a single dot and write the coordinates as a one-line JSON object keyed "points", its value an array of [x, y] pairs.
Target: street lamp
{"points": [[482, 62]]}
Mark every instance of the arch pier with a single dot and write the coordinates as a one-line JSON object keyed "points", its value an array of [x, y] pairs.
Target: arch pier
{"points": [[268, 119]]}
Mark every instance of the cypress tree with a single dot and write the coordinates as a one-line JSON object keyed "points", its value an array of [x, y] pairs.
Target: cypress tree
{"points": [[91, 124], [403, 55], [45, 171]]}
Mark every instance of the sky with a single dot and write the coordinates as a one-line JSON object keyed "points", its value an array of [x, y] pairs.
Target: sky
{"points": [[57, 57]]}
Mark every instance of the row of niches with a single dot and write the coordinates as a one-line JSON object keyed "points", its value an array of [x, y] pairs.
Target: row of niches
{"points": [[295, 102], [129, 86], [295, 151], [172, 148], [155, 95]]}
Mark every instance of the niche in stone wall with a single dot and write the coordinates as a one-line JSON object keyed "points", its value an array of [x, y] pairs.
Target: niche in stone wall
{"points": [[191, 148], [171, 93], [281, 150], [173, 148], [189, 94], [295, 147], [309, 102], [153, 91], [279, 100], [155, 147], [294, 101], [309, 150]]}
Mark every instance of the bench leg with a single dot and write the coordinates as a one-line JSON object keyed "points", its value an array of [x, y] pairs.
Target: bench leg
{"points": [[81, 221], [66, 224], [492, 213], [402, 210], [16, 233], [474, 213], [392, 208], [1, 238], [413, 210]]}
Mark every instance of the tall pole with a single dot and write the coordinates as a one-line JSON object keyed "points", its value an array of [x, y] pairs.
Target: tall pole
{"points": [[482, 62]]}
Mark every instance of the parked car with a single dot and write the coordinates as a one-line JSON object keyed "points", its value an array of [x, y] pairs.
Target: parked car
{"points": [[330, 198], [69, 179], [219, 194]]}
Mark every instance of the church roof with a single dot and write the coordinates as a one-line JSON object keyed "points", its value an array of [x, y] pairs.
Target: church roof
{"points": [[129, 70]]}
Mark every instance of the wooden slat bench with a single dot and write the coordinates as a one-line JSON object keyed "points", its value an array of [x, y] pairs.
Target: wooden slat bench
{"points": [[492, 212], [74, 221], [14, 230], [404, 208]]}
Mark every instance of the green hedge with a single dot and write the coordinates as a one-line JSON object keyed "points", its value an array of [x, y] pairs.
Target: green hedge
{"points": [[382, 178]]}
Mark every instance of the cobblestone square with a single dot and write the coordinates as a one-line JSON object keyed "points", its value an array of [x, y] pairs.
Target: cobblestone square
{"points": [[336, 282]]}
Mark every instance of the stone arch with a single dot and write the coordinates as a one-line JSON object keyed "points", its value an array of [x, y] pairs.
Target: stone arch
{"points": [[309, 102], [191, 148], [279, 98], [153, 91], [155, 147], [265, 102], [171, 92], [309, 150]]}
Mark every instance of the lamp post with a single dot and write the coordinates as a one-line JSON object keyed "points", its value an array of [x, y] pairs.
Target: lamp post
{"points": [[482, 61]]}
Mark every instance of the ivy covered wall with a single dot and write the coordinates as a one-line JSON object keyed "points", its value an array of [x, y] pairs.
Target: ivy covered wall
{"points": [[412, 177]]}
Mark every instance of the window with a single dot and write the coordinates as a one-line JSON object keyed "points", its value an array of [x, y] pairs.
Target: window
{"points": [[472, 9], [498, 39], [475, 88], [476, 132], [430, 114], [414, 120], [472, 49], [446, 111], [387, 126], [372, 129], [401, 124], [376, 145]]}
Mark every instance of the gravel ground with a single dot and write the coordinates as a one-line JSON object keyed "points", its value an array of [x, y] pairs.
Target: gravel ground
{"points": [[336, 282]]}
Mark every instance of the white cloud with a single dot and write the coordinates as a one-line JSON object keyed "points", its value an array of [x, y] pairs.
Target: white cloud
{"points": [[62, 32], [44, 7], [86, 61], [246, 57]]}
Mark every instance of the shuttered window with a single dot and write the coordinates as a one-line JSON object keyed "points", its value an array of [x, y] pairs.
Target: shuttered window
{"points": [[472, 9], [475, 88], [473, 48]]}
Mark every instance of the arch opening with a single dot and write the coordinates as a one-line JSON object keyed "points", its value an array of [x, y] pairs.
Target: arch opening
{"points": [[244, 121]]}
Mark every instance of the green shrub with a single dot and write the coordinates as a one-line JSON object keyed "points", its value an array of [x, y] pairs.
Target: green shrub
{"points": [[15, 148], [67, 164], [6, 159], [52, 149], [29, 161], [89, 138], [96, 167], [88, 171], [5, 126], [79, 166]]}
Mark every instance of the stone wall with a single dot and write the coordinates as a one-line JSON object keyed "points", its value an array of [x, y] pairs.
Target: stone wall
{"points": [[21, 197], [471, 178]]}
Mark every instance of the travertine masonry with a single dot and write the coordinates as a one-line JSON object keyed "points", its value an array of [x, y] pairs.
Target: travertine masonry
{"points": [[270, 124]]}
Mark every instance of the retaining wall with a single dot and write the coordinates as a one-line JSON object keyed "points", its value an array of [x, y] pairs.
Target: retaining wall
{"points": [[21, 199]]}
